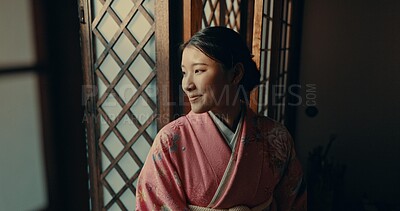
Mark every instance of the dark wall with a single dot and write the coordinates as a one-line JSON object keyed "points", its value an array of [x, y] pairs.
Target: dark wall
{"points": [[351, 52]]}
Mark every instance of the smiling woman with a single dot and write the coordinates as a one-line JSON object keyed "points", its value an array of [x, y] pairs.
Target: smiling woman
{"points": [[218, 68], [205, 82], [221, 155]]}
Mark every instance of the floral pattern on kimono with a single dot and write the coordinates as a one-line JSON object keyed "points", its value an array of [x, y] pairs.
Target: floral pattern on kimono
{"points": [[188, 163]]}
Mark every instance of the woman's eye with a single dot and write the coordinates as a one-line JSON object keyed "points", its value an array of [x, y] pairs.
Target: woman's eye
{"points": [[198, 71], [183, 73]]}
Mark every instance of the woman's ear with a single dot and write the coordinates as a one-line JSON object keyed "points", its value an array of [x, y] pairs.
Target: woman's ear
{"points": [[238, 72]]}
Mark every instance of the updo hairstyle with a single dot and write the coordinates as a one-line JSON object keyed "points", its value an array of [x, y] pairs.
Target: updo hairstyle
{"points": [[227, 47]]}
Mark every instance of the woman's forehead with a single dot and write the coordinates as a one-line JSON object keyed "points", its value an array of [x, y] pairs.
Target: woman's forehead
{"points": [[193, 55], [193, 50]]}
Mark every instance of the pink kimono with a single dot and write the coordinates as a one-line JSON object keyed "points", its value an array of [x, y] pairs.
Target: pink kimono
{"points": [[190, 163]]}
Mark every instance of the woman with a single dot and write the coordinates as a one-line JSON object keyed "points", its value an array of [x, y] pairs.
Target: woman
{"points": [[221, 155]]}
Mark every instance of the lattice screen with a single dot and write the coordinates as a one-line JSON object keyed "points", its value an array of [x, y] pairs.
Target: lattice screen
{"points": [[265, 54], [232, 19], [124, 43], [279, 86], [212, 10], [282, 85]]}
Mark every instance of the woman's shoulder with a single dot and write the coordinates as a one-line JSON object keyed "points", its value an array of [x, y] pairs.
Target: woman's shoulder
{"points": [[270, 129], [266, 123], [172, 128], [277, 140], [168, 137], [182, 123]]}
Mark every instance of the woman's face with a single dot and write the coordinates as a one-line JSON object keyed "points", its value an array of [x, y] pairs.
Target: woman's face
{"points": [[205, 82]]}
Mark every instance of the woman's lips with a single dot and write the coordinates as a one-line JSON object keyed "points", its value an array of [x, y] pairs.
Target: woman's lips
{"points": [[194, 98]]}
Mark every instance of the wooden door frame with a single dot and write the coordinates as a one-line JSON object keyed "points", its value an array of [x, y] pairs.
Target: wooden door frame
{"points": [[89, 93]]}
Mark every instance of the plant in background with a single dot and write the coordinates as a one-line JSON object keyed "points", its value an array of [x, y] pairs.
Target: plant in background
{"points": [[325, 179]]}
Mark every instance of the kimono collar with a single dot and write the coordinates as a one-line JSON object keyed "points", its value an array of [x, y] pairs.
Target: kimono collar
{"points": [[227, 133]]}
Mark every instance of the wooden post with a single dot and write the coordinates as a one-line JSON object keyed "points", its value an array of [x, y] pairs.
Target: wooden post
{"points": [[192, 13], [164, 91], [256, 46]]}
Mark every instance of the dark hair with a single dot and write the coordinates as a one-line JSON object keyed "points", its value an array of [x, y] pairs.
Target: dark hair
{"points": [[227, 47]]}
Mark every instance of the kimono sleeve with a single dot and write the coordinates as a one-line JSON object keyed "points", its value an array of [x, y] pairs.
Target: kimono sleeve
{"points": [[291, 193], [159, 186]]}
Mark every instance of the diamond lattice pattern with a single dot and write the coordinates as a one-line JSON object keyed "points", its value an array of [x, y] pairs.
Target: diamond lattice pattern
{"points": [[232, 15], [124, 52], [221, 13]]}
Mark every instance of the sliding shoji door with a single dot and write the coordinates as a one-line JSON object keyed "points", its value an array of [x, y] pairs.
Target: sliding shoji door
{"points": [[42, 153], [23, 184], [126, 90]]}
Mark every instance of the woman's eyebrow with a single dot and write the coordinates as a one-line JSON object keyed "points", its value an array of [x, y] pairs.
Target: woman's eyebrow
{"points": [[199, 63], [195, 64]]}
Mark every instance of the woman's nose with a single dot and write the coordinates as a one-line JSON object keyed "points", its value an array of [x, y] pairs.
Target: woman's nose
{"points": [[187, 84]]}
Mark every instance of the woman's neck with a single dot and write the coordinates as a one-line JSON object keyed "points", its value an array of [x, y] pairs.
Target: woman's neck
{"points": [[230, 115]]}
